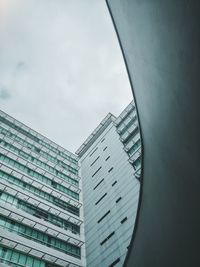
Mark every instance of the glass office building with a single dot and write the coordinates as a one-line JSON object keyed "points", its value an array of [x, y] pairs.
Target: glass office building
{"points": [[110, 161], [41, 214]]}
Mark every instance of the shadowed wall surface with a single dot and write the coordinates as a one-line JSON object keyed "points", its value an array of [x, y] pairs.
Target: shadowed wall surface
{"points": [[161, 45]]}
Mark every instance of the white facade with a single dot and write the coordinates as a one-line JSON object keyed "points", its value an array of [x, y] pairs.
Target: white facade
{"points": [[110, 190]]}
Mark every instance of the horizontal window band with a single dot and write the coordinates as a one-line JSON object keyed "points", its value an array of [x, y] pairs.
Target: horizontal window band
{"points": [[37, 150], [39, 236], [38, 212], [34, 138], [35, 160], [20, 259], [131, 136], [38, 192], [29, 171]]}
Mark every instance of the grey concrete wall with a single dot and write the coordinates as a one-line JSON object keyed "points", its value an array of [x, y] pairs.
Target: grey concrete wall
{"points": [[161, 44]]}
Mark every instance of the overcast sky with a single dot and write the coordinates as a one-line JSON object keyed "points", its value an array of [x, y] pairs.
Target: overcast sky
{"points": [[61, 68]]}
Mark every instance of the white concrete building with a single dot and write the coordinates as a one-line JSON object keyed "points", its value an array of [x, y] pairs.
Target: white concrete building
{"points": [[110, 161]]}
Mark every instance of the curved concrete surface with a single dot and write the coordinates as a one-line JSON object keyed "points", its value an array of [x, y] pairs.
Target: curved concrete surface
{"points": [[161, 44]]}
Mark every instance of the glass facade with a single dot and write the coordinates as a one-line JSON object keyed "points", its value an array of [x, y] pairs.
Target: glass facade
{"points": [[28, 171], [36, 161], [27, 133], [41, 152], [19, 259], [38, 192], [39, 213], [39, 237], [33, 167], [31, 172]]}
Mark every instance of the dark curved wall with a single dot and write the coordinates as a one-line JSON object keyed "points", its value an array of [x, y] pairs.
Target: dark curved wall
{"points": [[160, 40]]}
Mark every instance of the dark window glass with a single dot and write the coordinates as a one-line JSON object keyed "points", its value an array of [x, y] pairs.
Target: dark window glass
{"points": [[110, 169], [98, 184], [96, 171], [118, 199], [114, 262], [114, 183], [107, 158], [100, 198], [94, 161], [93, 151], [103, 216], [125, 219], [107, 238]]}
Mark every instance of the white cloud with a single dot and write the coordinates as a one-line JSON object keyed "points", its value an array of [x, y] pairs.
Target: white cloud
{"points": [[61, 66]]}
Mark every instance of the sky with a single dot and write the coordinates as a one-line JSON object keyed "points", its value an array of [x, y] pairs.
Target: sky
{"points": [[61, 68]]}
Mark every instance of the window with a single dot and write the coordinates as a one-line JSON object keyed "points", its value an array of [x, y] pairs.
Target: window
{"points": [[94, 161], [37, 150], [37, 212], [137, 163], [98, 184], [36, 139], [107, 238], [114, 183], [107, 158], [100, 198], [40, 163], [123, 221], [114, 262], [39, 176], [96, 171], [129, 137], [27, 187], [15, 258], [54, 184], [38, 237], [126, 123], [118, 199], [110, 169], [93, 151], [134, 147], [22, 259], [105, 148], [102, 140], [103, 216]]}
